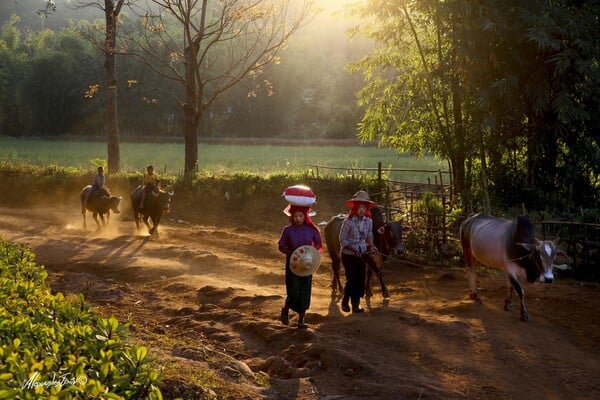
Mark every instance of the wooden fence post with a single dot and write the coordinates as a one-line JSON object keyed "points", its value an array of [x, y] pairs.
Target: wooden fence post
{"points": [[379, 179]]}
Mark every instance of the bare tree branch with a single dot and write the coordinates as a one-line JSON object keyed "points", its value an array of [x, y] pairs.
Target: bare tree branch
{"points": [[208, 47], [49, 8]]}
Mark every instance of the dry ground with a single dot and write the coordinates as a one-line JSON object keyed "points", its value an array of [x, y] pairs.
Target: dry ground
{"points": [[205, 300]]}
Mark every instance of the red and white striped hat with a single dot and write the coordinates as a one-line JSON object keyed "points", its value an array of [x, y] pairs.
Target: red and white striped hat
{"points": [[299, 195]]}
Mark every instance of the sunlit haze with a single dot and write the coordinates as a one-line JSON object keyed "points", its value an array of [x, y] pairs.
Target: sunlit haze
{"points": [[334, 5]]}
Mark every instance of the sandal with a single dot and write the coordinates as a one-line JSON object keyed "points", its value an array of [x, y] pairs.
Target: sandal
{"points": [[284, 317]]}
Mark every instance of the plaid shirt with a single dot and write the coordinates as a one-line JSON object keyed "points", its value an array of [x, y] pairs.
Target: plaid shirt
{"points": [[356, 233]]}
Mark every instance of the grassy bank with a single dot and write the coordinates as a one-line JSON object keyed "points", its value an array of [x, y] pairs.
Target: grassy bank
{"points": [[253, 200], [215, 159]]}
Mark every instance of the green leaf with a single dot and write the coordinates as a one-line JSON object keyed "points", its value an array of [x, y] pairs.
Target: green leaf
{"points": [[140, 353], [7, 376]]}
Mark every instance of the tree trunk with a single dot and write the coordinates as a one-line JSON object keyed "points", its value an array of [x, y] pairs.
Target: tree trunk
{"points": [[458, 152], [484, 181], [191, 114], [190, 134], [458, 175], [110, 90]]}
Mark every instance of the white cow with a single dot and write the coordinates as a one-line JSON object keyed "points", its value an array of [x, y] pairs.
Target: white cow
{"points": [[509, 245]]}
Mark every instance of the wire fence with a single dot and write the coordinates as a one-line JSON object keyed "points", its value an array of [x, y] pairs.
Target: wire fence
{"points": [[402, 198]]}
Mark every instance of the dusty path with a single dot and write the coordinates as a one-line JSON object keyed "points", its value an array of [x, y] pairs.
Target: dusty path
{"points": [[205, 301]]}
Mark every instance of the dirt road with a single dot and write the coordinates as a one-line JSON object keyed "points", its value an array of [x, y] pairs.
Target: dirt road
{"points": [[205, 300]]}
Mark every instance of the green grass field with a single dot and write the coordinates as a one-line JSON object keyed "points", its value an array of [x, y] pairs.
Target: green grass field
{"points": [[218, 158]]}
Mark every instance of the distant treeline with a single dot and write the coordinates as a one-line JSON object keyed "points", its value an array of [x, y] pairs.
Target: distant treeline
{"points": [[259, 141], [51, 84]]}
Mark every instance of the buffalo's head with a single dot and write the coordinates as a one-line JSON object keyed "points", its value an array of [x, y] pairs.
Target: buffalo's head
{"points": [[165, 200], [391, 238], [113, 203]]}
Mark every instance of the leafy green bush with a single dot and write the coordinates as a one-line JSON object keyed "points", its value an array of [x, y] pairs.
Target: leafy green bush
{"points": [[55, 348]]}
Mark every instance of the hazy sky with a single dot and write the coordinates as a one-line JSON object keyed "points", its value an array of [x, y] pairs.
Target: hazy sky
{"points": [[330, 5]]}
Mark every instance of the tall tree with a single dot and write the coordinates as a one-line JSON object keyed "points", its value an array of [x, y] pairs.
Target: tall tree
{"points": [[111, 9], [11, 74], [533, 72], [59, 69], [414, 98], [505, 87], [42, 80], [207, 47]]}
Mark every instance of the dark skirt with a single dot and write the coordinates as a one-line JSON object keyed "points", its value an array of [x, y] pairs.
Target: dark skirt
{"points": [[355, 269], [298, 289]]}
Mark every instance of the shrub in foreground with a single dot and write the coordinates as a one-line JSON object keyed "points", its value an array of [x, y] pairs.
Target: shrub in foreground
{"points": [[55, 348]]}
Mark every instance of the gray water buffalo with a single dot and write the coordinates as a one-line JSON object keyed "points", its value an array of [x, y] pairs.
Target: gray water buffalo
{"points": [[508, 245], [100, 203], [155, 204], [387, 238]]}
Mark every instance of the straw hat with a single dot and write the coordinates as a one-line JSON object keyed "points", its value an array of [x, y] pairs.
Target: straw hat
{"points": [[305, 260], [360, 197]]}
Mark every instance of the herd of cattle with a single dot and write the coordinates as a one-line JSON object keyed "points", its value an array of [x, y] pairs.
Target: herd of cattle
{"points": [[101, 203], [509, 245]]}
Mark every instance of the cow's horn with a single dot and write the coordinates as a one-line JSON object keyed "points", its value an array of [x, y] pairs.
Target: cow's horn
{"points": [[526, 246]]}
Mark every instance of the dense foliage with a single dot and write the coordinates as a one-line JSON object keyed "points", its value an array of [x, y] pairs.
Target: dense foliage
{"points": [[505, 90], [43, 79], [52, 347]]}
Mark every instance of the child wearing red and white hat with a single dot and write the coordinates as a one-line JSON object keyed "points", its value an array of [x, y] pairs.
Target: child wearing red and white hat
{"points": [[300, 231]]}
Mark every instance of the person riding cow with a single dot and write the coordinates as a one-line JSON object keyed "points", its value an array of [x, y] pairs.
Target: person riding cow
{"points": [[97, 199], [149, 201], [98, 186], [150, 183]]}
